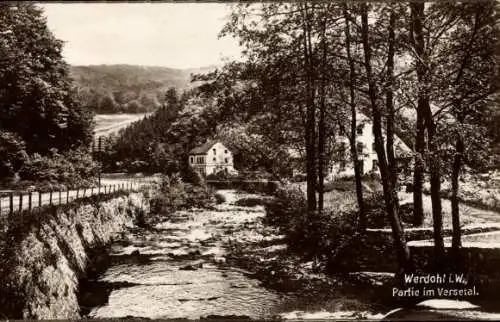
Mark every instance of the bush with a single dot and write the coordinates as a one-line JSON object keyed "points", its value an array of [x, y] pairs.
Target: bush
{"points": [[13, 152], [71, 169], [219, 198], [192, 176], [377, 215], [221, 175], [312, 234], [174, 194]]}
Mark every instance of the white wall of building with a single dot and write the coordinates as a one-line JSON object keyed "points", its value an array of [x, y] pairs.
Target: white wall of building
{"points": [[218, 158], [366, 154]]}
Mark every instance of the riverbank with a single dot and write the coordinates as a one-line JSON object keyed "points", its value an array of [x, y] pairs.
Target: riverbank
{"points": [[45, 252], [219, 262]]}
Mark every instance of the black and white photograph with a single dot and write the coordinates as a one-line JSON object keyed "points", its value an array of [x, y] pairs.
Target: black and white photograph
{"points": [[279, 160]]}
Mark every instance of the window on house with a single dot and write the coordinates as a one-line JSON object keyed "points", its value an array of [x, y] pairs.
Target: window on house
{"points": [[374, 165], [192, 159], [342, 165], [214, 159], [225, 160], [359, 129], [214, 151], [359, 147]]}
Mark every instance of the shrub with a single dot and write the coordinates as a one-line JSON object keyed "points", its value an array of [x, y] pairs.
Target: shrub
{"points": [[313, 234], [219, 198], [71, 169], [250, 202], [174, 194], [192, 176], [13, 152], [377, 215], [221, 175]]}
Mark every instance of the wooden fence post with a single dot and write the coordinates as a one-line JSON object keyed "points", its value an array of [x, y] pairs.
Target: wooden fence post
{"points": [[77, 191], [39, 199], [59, 196], [50, 197], [67, 196], [11, 199], [30, 196], [84, 192]]}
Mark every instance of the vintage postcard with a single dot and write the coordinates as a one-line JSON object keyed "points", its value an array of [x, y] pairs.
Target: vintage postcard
{"points": [[291, 160]]}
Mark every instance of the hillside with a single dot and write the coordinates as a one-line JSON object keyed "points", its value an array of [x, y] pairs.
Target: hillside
{"points": [[128, 88]]}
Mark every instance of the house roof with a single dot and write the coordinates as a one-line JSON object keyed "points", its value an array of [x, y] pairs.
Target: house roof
{"points": [[203, 149]]}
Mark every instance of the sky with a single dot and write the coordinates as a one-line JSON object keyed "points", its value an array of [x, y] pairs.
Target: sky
{"points": [[176, 35]]}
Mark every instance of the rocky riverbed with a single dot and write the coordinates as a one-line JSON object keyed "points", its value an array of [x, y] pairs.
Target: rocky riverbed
{"points": [[210, 263]]}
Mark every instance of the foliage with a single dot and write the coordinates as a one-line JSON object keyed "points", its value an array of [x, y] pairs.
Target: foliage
{"points": [[168, 135], [174, 194], [37, 98], [221, 175], [110, 89], [219, 198], [315, 234], [13, 152], [192, 176], [250, 202], [70, 169]]}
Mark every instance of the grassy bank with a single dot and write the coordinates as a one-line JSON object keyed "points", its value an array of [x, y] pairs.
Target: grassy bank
{"points": [[44, 253]]}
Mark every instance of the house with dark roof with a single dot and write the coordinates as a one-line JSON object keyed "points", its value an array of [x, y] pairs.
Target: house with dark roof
{"points": [[211, 157]]}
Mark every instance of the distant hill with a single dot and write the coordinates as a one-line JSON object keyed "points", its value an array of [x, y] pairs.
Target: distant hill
{"points": [[129, 88]]}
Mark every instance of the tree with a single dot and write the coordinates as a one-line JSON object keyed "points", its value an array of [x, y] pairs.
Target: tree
{"points": [[354, 125], [37, 98], [467, 90], [402, 250]]}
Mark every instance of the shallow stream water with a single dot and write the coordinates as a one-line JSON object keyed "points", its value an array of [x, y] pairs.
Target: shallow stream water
{"points": [[178, 269]]}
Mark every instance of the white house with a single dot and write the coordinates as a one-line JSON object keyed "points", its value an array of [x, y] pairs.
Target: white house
{"points": [[366, 150], [211, 157]]}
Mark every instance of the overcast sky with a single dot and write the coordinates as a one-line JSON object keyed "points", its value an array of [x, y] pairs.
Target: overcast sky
{"points": [[178, 35]]}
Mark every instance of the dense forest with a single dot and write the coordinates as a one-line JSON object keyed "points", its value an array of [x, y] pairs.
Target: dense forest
{"points": [[128, 88], [44, 130]]}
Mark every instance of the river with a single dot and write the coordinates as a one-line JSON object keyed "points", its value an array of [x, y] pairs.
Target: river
{"points": [[178, 269], [184, 267]]}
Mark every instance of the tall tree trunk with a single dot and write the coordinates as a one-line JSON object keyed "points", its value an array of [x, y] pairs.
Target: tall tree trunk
{"points": [[435, 182], [321, 121], [424, 110], [417, 37], [455, 211], [352, 139], [310, 130], [389, 101], [402, 249], [418, 171]]}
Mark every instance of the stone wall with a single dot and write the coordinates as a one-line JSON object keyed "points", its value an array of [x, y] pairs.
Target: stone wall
{"points": [[43, 253]]}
